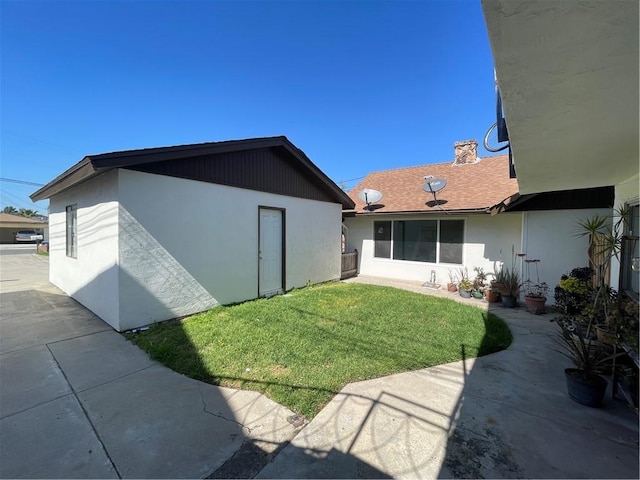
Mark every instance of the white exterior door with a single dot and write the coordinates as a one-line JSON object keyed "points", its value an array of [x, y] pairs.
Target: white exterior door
{"points": [[270, 250]]}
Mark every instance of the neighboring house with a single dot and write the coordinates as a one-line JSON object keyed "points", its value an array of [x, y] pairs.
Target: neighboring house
{"points": [[568, 77], [10, 224], [147, 235], [476, 220]]}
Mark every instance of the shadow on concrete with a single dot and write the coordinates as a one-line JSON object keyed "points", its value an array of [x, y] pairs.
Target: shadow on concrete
{"points": [[256, 448], [362, 451], [513, 418]]}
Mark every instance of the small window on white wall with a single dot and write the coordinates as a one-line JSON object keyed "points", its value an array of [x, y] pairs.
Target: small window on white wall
{"points": [[72, 231]]}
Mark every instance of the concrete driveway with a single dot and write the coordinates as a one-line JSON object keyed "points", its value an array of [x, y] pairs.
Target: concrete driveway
{"points": [[79, 401]]}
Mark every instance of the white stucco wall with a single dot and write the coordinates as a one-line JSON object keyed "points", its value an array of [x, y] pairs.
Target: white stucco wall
{"points": [[488, 240], [92, 277], [186, 246], [550, 236]]}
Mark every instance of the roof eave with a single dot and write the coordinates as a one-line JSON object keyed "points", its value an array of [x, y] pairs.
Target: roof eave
{"points": [[421, 212], [92, 165], [81, 171]]}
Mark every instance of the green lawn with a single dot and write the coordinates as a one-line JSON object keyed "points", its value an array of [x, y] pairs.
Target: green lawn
{"points": [[300, 349]]}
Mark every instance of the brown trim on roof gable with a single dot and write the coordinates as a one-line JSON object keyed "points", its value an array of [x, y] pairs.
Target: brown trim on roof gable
{"points": [[271, 170], [93, 165]]}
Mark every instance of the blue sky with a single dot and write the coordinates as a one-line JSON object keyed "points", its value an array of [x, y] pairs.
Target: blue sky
{"points": [[358, 86]]}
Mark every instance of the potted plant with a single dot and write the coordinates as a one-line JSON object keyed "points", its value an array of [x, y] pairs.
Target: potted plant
{"points": [[606, 239], [584, 384], [452, 285], [535, 294], [479, 283], [511, 289], [464, 288], [497, 284], [491, 295]]}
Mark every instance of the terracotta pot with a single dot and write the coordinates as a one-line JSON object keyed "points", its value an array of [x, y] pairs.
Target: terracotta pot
{"points": [[535, 305], [606, 336], [452, 287], [501, 288], [492, 296]]}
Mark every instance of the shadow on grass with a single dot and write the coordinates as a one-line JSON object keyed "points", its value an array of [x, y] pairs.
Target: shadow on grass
{"points": [[362, 450], [253, 455]]}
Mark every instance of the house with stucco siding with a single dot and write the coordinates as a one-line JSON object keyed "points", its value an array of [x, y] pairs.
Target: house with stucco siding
{"points": [[142, 236], [568, 79], [476, 220]]}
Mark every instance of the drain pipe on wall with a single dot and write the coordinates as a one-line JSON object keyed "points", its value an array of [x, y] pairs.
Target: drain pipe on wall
{"points": [[523, 241]]}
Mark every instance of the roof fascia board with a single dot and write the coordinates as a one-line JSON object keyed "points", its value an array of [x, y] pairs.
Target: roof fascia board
{"points": [[90, 165], [424, 212], [160, 154], [83, 170], [341, 196]]}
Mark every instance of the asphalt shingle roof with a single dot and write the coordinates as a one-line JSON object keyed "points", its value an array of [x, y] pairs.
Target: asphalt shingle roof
{"points": [[471, 187]]}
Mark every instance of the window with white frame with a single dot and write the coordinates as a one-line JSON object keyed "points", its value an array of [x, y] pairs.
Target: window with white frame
{"points": [[72, 230], [431, 241]]}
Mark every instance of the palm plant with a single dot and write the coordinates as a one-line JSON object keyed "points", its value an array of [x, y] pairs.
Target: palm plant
{"points": [[26, 212], [11, 210]]}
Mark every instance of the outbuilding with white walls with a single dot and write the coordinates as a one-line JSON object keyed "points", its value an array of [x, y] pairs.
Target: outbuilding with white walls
{"points": [[142, 236]]}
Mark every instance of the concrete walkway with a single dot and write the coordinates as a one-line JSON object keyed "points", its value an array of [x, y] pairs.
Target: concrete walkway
{"points": [[505, 415], [79, 401]]}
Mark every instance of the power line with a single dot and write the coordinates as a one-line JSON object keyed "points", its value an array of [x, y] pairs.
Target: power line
{"points": [[351, 180], [17, 201], [22, 182]]}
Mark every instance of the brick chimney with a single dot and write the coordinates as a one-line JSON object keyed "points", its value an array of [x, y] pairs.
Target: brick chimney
{"points": [[466, 152]]}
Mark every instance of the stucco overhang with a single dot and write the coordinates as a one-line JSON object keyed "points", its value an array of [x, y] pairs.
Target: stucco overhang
{"points": [[94, 165], [568, 75]]}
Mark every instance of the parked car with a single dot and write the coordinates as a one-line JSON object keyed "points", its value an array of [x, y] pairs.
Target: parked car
{"points": [[22, 236]]}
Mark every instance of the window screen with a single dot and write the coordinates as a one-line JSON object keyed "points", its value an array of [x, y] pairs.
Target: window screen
{"points": [[72, 231], [451, 239], [415, 240], [382, 239]]}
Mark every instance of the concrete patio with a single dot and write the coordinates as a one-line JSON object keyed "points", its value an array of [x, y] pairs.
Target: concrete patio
{"points": [[79, 401]]}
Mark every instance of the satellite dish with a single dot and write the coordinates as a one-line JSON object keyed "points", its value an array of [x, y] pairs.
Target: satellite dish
{"points": [[434, 185], [369, 196]]}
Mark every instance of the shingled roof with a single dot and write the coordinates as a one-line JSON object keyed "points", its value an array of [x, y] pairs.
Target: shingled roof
{"points": [[472, 187]]}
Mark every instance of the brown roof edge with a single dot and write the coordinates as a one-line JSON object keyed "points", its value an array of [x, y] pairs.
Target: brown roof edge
{"points": [[353, 213], [306, 161], [72, 176], [511, 200], [141, 156], [92, 165]]}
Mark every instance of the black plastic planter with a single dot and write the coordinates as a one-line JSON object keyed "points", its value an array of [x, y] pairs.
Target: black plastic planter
{"points": [[509, 301], [587, 390]]}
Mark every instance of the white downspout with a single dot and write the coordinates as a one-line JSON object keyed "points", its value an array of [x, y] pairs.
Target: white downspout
{"points": [[524, 241]]}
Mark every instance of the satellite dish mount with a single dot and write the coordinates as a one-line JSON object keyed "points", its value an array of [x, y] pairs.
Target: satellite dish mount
{"points": [[434, 185], [370, 196]]}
